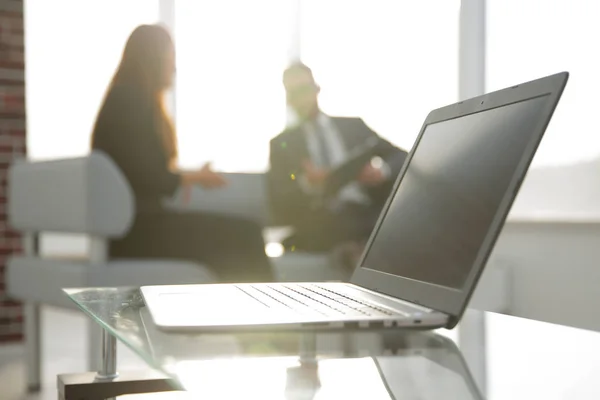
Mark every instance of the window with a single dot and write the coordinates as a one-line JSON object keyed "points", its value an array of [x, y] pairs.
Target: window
{"points": [[387, 62], [72, 49], [229, 98], [530, 39]]}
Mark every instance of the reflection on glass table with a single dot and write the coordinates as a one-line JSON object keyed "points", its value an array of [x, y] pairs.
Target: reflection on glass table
{"points": [[373, 365]]}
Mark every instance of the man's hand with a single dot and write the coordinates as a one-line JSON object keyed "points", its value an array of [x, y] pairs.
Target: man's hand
{"points": [[371, 176], [315, 176]]}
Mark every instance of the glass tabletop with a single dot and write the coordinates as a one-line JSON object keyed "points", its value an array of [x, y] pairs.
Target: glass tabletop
{"points": [[374, 365]]}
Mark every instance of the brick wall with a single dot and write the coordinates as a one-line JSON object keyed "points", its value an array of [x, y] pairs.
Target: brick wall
{"points": [[12, 144]]}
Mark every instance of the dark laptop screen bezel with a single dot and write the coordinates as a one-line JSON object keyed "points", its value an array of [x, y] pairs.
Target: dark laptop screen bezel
{"points": [[450, 300]]}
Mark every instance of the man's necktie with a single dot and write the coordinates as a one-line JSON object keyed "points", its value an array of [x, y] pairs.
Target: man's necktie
{"points": [[323, 151]]}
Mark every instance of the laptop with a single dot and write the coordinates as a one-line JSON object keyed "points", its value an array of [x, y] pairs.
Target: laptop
{"points": [[431, 241]]}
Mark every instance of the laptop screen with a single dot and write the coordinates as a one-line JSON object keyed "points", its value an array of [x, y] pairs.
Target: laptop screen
{"points": [[447, 200]]}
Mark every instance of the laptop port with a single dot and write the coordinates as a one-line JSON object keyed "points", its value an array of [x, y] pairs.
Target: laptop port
{"points": [[377, 325], [316, 325]]}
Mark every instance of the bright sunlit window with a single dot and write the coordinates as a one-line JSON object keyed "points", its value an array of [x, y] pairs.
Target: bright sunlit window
{"points": [[229, 96], [72, 48], [533, 38], [388, 62]]}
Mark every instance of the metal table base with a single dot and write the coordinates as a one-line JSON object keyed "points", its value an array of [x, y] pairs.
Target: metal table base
{"points": [[108, 383]]}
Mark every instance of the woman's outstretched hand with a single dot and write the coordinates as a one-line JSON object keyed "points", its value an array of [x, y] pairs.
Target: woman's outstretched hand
{"points": [[204, 177], [209, 178]]}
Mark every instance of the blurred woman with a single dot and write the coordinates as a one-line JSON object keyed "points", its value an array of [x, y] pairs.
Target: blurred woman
{"points": [[133, 128]]}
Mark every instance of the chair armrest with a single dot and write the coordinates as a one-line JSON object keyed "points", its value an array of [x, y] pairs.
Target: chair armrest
{"points": [[77, 195]]}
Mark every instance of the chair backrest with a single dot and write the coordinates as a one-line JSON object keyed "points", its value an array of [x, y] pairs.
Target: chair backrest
{"points": [[77, 195], [244, 196]]}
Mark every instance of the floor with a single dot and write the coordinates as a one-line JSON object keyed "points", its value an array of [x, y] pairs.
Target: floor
{"points": [[64, 343]]}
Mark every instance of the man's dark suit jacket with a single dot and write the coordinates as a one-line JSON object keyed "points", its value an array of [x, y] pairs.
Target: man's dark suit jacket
{"points": [[290, 204]]}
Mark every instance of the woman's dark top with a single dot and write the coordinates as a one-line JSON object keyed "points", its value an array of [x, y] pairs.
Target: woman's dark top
{"points": [[128, 130]]}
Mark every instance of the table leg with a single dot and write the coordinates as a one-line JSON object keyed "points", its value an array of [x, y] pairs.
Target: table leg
{"points": [[86, 385], [108, 370], [305, 377], [108, 383], [308, 348], [109, 357]]}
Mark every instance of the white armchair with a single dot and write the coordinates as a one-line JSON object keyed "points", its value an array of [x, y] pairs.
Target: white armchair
{"points": [[89, 196]]}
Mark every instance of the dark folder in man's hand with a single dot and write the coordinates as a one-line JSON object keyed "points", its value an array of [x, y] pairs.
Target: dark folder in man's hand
{"points": [[347, 172]]}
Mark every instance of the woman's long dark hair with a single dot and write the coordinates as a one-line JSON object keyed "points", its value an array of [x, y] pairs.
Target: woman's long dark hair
{"points": [[143, 68]]}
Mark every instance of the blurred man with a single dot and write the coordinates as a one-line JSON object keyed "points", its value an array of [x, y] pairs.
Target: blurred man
{"points": [[301, 159]]}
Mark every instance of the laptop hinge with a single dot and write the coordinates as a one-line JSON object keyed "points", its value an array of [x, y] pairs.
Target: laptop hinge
{"points": [[416, 306], [452, 321]]}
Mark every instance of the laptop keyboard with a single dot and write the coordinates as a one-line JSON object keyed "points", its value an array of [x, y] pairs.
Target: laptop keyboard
{"points": [[313, 299]]}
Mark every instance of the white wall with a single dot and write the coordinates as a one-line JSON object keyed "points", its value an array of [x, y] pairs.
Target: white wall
{"points": [[555, 274], [560, 192], [555, 278]]}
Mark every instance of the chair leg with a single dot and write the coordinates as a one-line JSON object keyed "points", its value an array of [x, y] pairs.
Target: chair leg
{"points": [[94, 346], [33, 348]]}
